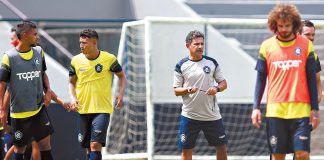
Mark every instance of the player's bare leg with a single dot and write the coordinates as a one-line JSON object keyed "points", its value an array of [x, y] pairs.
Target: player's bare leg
{"points": [[95, 146], [35, 151], [278, 156], [19, 150], [45, 148], [95, 153], [186, 154], [221, 152], [302, 155], [9, 153], [44, 144]]}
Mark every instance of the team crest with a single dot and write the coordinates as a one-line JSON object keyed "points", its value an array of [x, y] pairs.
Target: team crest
{"points": [[298, 51], [206, 69], [18, 135], [80, 137], [98, 68], [183, 138], [273, 140], [36, 61]]}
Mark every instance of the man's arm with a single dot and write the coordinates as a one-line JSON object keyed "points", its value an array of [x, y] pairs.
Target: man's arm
{"points": [[121, 88], [47, 90], [3, 108], [312, 89], [178, 81], [222, 85], [60, 101], [319, 86], [6, 99], [180, 91], [318, 77], [74, 101], [261, 81], [4, 77]]}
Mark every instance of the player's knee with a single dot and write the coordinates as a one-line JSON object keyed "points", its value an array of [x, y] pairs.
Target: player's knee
{"points": [[302, 155], [44, 144], [221, 148], [186, 154], [19, 149], [95, 146]]}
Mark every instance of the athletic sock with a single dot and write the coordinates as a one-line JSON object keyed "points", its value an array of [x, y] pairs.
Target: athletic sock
{"points": [[46, 155], [95, 155]]}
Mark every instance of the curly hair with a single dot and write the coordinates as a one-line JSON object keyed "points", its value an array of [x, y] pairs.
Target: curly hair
{"points": [[287, 12]]}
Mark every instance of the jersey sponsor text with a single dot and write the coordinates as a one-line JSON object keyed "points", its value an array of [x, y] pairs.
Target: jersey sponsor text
{"points": [[28, 75], [286, 65]]}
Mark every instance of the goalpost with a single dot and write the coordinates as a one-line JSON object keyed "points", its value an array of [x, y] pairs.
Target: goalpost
{"points": [[146, 127]]}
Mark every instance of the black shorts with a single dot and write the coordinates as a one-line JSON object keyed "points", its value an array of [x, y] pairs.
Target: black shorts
{"points": [[93, 128], [36, 127], [288, 135]]}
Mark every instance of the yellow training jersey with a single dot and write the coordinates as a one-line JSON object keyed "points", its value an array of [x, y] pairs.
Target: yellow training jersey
{"points": [[94, 81]]}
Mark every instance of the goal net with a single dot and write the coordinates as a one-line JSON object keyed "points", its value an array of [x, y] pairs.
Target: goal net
{"points": [[147, 125]]}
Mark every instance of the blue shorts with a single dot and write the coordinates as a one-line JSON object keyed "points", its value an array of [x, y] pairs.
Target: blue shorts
{"points": [[93, 128], [288, 135], [36, 127], [214, 132]]}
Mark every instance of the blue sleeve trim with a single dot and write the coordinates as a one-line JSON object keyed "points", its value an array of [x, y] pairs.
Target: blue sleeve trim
{"points": [[311, 81], [179, 64], [261, 66], [72, 71], [115, 67], [211, 59]]}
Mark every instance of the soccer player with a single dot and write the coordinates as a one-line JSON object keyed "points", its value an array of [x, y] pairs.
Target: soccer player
{"points": [[194, 80], [24, 68], [308, 31], [90, 90], [287, 59], [32, 150]]}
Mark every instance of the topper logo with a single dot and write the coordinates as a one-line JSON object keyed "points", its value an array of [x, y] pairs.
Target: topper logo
{"points": [[286, 65], [29, 76]]}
